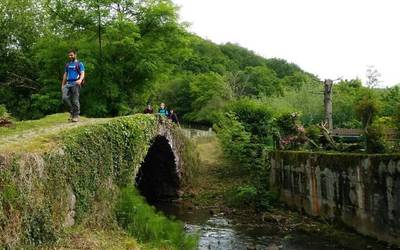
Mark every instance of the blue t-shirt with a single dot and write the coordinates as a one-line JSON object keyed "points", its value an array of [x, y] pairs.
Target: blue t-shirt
{"points": [[72, 71]]}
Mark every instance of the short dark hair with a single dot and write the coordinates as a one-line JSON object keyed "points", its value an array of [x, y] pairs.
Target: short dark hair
{"points": [[72, 51]]}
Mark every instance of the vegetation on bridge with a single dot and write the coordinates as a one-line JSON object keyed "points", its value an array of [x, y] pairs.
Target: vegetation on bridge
{"points": [[93, 162]]}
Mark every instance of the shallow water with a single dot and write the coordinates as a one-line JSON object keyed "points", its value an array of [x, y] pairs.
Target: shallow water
{"points": [[218, 231]]}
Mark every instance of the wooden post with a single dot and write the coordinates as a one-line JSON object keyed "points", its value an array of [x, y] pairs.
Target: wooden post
{"points": [[328, 102]]}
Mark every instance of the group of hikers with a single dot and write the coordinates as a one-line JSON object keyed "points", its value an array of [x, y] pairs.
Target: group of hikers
{"points": [[74, 78], [163, 112]]}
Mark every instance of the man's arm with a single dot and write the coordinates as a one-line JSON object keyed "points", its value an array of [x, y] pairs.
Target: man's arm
{"points": [[64, 79], [81, 77]]}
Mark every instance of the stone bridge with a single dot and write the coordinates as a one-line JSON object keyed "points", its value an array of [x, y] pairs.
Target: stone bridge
{"points": [[54, 181], [161, 172]]}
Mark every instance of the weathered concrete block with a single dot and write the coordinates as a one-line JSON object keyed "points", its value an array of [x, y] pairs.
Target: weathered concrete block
{"points": [[362, 191]]}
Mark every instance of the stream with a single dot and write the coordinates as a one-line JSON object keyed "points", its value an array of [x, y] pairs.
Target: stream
{"points": [[219, 231]]}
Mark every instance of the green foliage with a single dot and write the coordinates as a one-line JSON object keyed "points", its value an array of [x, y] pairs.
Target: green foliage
{"points": [[3, 111], [4, 115], [241, 57], [251, 158], [305, 97], [391, 102], [242, 196], [209, 93], [142, 221], [147, 56], [374, 139], [367, 107], [396, 120], [313, 132], [256, 117], [38, 230], [291, 133], [261, 81], [345, 95], [233, 137], [282, 68], [250, 196], [206, 57]]}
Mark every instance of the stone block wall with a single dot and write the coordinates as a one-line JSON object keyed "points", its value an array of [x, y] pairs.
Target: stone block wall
{"points": [[362, 191]]}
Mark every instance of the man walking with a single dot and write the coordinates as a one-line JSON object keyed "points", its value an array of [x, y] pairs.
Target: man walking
{"points": [[71, 85]]}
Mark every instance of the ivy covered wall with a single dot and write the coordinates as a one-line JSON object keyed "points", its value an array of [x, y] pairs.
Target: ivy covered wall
{"points": [[78, 180]]}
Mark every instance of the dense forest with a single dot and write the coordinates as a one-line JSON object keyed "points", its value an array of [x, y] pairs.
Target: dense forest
{"points": [[147, 55]]}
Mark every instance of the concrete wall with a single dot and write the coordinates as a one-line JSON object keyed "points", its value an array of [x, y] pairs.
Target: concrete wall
{"points": [[362, 191], [195, 133]]}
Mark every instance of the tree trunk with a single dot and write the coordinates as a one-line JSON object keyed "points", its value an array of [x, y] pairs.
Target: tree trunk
{"points": [[328, 103]]}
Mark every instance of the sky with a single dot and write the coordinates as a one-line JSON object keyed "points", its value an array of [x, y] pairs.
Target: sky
{"points": [[329, 38]]}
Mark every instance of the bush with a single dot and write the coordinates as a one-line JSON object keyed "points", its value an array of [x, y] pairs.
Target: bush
{"points": [[233, 137], [367, 108], [256, 117], [396, 120], [3, 111], [313, 132], [374, 139], [242, 196], [5, 118], [291, 134], [143, 222], [250, 196]]}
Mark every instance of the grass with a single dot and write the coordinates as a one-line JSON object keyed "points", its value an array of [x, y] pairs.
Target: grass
{"points": [[93, 239], [145, 224], [37, 135], [48, 121], [220, 179]]}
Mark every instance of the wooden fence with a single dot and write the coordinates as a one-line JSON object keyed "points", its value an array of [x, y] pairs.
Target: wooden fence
{"points": [[390, 134]]}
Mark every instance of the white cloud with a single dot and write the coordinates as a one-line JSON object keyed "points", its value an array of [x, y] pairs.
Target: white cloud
{"points": [[325, 37]]}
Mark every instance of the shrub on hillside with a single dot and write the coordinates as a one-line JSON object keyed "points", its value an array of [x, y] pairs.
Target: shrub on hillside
{"points": [[291, 133], [257, 119], [5, 117], [233, 137]]}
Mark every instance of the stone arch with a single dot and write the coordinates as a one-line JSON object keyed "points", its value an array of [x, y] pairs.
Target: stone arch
{"points": [[159, 176]]}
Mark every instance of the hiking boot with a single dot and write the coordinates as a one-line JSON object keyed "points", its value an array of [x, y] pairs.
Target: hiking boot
{"points": [[75, 119], [70, 118]]}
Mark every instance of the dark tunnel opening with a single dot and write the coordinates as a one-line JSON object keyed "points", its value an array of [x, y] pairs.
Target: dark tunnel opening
{"points": [[157, 179]]}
